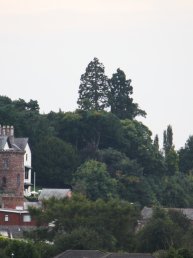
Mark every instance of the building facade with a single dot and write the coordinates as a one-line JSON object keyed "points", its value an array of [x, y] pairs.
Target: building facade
{"points": [[15, 173]]}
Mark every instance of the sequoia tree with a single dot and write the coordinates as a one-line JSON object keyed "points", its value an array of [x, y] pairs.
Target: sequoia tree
{"points": [[93, 87], [120, 99]]}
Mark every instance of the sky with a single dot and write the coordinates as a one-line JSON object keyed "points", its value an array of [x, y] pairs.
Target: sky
{"points": [[45, 46]]}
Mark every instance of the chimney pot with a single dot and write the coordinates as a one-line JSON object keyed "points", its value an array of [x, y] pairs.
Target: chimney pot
{"points": [[3, 130], [12, 131]]}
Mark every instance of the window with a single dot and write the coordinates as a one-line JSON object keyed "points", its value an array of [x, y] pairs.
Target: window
{"points": [[18, 180], [26, 157], [5, 164], [4, 182], [26, 218], [6, 217], [26, 173]]}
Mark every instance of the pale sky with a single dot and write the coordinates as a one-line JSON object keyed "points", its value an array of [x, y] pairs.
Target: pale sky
{"points": [[45, 46]]}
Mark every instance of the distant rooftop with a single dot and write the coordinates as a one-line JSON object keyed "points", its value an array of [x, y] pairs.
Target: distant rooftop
{"points": [[47, 193]]}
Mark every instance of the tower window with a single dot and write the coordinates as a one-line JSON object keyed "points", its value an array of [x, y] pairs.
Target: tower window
{"points": [[5, 163], [4, 182], [18, 180], [26, 173]]}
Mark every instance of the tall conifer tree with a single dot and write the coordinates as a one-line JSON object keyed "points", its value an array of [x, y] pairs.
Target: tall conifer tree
{"points": [[120, 99], [93, 87]]}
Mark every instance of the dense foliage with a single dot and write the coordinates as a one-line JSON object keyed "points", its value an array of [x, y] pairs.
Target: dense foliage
{"points": [[103, 152]]}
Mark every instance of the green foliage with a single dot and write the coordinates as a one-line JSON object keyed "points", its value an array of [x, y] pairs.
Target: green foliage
{"points": [[164, 230], [120, 99], [168, 139], [92, 179], [80, 238], [185, 157], [112, 222], [93, 87], [56, 162], [21, 249]]}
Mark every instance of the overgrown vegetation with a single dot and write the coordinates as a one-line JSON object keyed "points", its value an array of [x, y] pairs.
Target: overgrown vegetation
{"points": [[104, 153]]}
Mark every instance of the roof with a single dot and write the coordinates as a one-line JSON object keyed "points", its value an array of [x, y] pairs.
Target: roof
{"points": [[3, 140], [14, 143], [81, 254], [13, 211], [21, 142], [147, 213], [99, 254], [129, 255], [47, 193], [187, 212]]}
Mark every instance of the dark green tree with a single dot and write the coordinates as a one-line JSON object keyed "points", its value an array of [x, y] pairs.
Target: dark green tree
{"points": [[168, 139], [93, 87], [120, 99], [92, 179], [186, 157], [171, 156], [156, 142], [55, 162]]}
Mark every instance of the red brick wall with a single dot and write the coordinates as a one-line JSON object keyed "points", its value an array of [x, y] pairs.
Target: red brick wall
{"points": [[11, 202], [14, 219], [12, 177]]}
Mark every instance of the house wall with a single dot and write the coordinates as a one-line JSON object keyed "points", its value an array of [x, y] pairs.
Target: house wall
{"points": [[12, 177], [14, 219], [27, 164]]}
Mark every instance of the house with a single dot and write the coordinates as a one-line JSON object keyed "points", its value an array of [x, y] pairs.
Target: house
{"points": [[147, 212], [47, 193], [15, 181], [9, 144], [100, 254]]}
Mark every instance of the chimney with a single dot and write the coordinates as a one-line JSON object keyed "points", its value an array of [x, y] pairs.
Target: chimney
{"points": [[3, 131], [12, 131], [7, 130]]}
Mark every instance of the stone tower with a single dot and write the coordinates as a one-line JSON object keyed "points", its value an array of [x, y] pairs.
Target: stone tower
{"points": [[11, 178], [12, 170]]}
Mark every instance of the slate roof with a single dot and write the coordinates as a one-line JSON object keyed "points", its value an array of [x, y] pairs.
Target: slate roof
{"points": [[81, 254], [14, 143], [128, 255], [47, 193], [3, 140], [147, 213], [21, 142], [99, 254]]}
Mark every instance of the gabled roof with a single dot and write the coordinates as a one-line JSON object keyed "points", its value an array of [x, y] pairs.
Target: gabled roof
{"points": [[21, 142], [147, 213], [47, 193], [128, 255], [100, 254], [81, 254], [13, 143]]}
